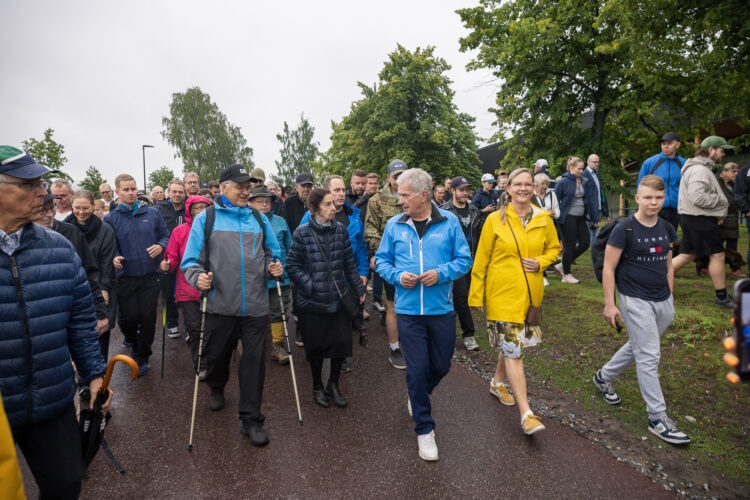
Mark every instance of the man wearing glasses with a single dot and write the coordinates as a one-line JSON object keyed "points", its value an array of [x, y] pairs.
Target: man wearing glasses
{"points": [[242, 254], [105, 191], [46, 318]]}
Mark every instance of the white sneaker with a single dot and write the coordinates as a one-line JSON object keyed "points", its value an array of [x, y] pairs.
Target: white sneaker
{"points": [[427, 447], [568, 278], [545, 280], [559, 268], [173, 333], [471, 344], [408, 405]]}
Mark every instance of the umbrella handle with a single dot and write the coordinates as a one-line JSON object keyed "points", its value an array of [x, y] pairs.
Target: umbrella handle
{"points": [[111, 367]]}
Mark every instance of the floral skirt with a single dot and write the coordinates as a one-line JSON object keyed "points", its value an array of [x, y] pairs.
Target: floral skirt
{"points": [[512, 338]]}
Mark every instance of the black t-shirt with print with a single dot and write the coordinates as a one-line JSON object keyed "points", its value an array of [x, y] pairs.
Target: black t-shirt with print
{"points": [[643, 269]]}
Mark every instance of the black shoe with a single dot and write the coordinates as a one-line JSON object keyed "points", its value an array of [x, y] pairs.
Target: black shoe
{"points": [[216, 399], [298, 339], [258, 436], [346, 366], [319, 396], [332, 391]]}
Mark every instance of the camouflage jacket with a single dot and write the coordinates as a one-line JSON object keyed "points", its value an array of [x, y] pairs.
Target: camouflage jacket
{"points": [[382, 206]]}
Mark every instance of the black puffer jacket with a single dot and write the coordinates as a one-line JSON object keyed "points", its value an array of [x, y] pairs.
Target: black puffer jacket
{"points": [[307, 268], [730, 228]]}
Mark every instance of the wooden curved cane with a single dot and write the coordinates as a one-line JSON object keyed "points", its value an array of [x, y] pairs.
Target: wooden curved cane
{"points": [[111, 367]]}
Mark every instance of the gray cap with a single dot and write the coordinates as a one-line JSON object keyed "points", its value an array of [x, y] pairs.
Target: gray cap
{"points": [[396, 167]]}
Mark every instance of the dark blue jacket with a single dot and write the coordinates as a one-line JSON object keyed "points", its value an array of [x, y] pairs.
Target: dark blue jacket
{"points": [[565, 189], [135, 233], [604, 212], [306, 266], [173, 217], [356, 230], [46, 317], [483, 199]]}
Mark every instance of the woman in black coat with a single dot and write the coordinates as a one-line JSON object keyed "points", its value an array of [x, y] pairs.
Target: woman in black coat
{"points": [[101, 240], [320, 253]]}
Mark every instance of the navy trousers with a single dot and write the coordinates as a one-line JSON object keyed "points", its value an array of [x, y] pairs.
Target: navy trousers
{"points": [[428, 343]]}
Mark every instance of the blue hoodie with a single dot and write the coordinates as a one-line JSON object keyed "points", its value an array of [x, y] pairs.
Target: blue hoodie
{"points": [[670, 171], [443, 247], [356, 230], [135, 232]]}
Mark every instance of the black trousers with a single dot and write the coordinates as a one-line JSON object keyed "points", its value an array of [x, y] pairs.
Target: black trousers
{"points": [[191, 315], [670, 215], [168, 283], [576, 239], [224, 331], [137, 298], [461, 304], [53, 452]]}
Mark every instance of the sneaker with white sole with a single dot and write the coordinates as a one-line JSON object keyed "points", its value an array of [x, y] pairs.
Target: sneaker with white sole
{"points": [[408, 405], [568, 278], [427, 447], [545, 281], [173, 333], [665, 429], [397, 359], [471, 344], [378, 305], [607, 389], [530, 423], [559, 269], [501, 392]]}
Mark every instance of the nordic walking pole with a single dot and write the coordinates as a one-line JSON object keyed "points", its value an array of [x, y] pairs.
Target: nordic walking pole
{"points": [[198, 368], [163, 330], [289, 348]]}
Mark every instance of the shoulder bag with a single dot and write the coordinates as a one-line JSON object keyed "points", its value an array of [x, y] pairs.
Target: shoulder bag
{"points": [[534, 314], [348, 299]]}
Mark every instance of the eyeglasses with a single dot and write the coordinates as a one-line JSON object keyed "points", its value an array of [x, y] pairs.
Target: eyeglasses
{"points": [[262, 201], [240, 187], [105, 192], [28, 186]]}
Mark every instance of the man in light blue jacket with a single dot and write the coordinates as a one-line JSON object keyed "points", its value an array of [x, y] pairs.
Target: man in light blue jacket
{"points": [[421, 253]]}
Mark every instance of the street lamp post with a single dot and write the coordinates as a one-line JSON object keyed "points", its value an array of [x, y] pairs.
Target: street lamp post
{"points": [[143, 148]]}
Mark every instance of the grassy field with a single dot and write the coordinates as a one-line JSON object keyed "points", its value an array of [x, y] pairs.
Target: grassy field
{"points": [[577, 342]]}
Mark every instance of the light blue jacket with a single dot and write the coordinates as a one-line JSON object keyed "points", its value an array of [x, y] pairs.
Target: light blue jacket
{"points": [[284, 239], [670, 170], [443, 247], [356, 230]]}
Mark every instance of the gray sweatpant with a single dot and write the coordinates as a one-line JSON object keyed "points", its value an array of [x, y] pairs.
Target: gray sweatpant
{"points": [[645, 322]]}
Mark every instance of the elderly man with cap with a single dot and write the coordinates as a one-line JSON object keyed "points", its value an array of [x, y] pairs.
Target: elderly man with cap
{"points": [[541, 166], [295, 204], [47, 317], [486, 198], [667, 165], [232, 251], [422, 252], [383, 206], [701, 205], [471, 224], [261, 199]]}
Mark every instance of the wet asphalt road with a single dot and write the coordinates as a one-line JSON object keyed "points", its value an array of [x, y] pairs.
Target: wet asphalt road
{"points": [[366, 450]]}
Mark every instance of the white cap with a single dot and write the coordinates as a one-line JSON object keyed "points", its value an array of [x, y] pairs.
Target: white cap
{"points": [[488, 178], [541, 162]]}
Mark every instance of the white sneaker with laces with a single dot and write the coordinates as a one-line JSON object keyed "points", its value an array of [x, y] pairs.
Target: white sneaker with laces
{"points": [[427, 447], [568, 278], [173, 333], [471, 344]]}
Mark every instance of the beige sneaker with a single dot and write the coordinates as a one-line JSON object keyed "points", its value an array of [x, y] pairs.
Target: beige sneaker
{"points": [[502, 393], [530, 423]]}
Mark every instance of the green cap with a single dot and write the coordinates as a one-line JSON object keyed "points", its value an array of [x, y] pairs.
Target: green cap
{"points": [[714, 141]]}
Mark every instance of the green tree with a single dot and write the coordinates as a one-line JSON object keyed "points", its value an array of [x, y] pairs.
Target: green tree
{"points": [[627, 72], [92, 180], [408, 114], [202, 135], [161, 177], [49, 153], [298, 152]]}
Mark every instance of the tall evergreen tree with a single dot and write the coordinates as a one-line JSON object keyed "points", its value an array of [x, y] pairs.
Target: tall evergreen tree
{"points": [[298, 151]]}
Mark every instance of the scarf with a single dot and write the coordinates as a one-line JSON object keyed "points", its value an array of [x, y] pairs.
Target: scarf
{"points": [[90, 228]]}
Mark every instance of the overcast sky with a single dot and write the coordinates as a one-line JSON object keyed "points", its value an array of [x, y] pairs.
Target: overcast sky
{"points": [[102, 73]]}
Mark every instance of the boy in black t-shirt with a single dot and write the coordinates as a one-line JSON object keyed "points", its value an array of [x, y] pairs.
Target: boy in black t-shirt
{"points": [[644, 280]]}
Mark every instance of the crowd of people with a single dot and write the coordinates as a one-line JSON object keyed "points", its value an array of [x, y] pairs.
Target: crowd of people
{"points": [[73, 266]]}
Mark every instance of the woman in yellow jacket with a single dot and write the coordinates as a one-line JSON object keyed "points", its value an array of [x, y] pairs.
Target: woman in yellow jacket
{"points": [[498, 275], [11, 484]]}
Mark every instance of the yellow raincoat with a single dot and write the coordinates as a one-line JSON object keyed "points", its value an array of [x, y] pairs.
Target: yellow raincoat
{"points": [[497, 271], [11, 485]]}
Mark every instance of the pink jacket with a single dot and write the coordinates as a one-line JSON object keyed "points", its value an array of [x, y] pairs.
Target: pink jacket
{"points": [[175, 249]]}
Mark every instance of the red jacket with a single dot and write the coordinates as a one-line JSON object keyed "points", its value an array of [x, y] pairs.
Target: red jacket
{"points": [[176, 248]]}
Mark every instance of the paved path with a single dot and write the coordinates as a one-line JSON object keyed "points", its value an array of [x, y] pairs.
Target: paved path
{"points": [[366, 450]]}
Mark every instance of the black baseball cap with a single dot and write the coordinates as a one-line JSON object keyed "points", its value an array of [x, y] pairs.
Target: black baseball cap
{"points": [[49, 197], [670, 136], [236, 173], [459, 182], [304, 178]]}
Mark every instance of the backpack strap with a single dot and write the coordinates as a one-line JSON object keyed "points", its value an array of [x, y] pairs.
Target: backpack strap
{"points": [[260, 222], [208, 228], [662, 160], [627, 224]]}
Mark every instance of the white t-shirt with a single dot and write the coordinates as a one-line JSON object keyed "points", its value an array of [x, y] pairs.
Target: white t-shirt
{"points": [[61, 216]]}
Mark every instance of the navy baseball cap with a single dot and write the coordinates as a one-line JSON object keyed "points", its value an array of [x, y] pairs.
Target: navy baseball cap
{"points": [[18, 163], [304, 178], [236, 173], [459, 182]]}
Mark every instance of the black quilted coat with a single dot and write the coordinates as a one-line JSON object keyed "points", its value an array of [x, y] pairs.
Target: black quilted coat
{"points": [[306, 266]]}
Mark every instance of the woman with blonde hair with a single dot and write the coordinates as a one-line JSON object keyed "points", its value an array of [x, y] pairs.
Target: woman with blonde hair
{"points": [[518, 242]]}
